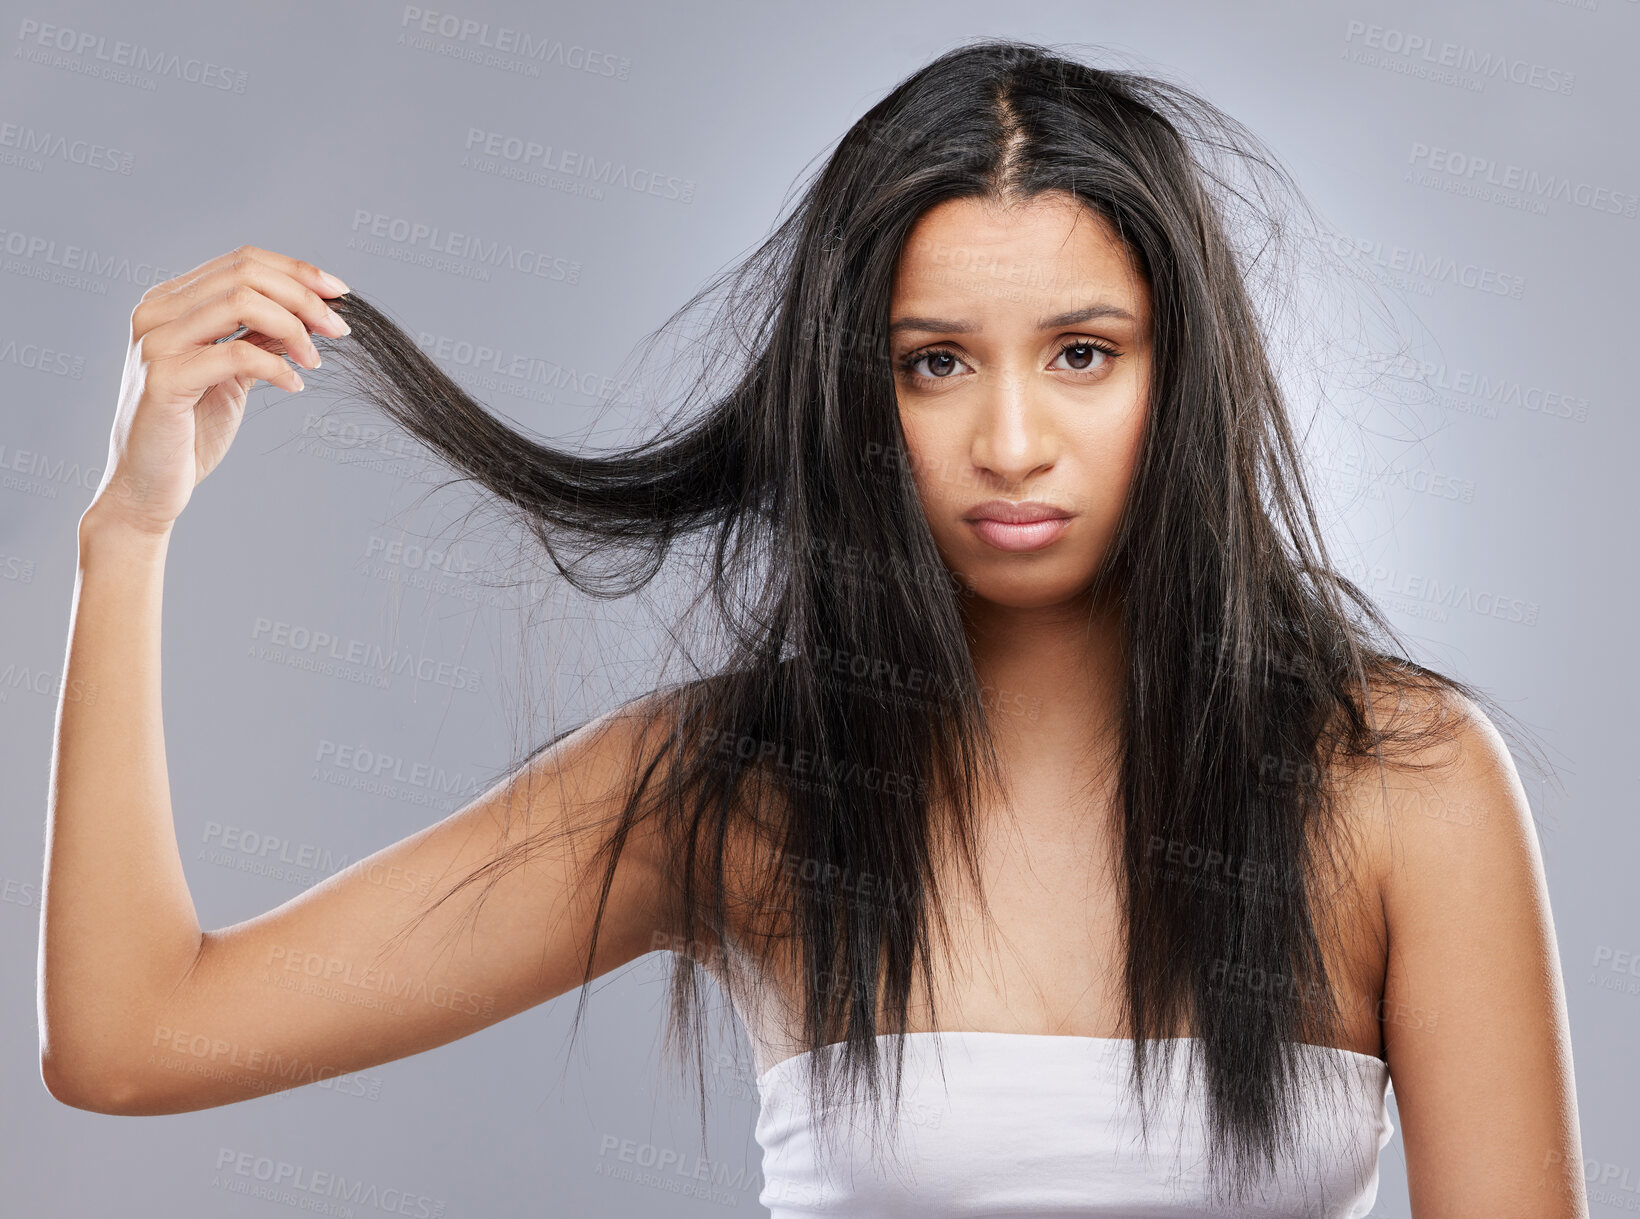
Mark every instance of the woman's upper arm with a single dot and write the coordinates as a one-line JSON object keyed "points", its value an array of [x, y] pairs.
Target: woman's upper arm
{"points": [[1474, 1013], [325, 984]]}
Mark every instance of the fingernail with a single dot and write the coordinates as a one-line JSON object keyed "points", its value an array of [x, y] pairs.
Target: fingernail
{"points": [[331, 282], [336, 318]]}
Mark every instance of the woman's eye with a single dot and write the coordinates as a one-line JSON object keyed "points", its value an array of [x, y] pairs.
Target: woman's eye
{"points": [[941, 364], [1083, 357]]}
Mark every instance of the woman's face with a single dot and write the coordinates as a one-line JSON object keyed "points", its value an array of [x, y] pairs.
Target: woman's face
{"points": [[1020, 341]]}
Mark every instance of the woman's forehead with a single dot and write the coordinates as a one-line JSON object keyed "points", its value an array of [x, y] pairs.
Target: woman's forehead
{"points": [[1051, 255]]}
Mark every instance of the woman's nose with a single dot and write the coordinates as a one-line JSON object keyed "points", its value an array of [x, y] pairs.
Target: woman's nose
{"points": [[1015, 436]]}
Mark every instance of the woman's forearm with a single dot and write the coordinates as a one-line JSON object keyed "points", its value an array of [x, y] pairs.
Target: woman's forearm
{"points": [[119, 925]]}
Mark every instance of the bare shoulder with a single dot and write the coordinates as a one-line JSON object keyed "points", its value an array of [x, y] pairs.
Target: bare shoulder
{"points": [[1444, 793], [1473, 1015], [600, 765], [633, 748]]}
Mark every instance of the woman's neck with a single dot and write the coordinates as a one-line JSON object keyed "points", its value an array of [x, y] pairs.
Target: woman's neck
{"points": [[1054, 677]]}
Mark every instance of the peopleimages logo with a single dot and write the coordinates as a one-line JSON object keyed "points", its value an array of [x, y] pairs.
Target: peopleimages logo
{"points": [[1393, 259], [1352, 471], [486, 358], [35, 147], [414, 241], [395, 769], [1489, 390], [316, 1190], [487, 44], [49, 258], [302, 648], [40, 475], [126, 63], [1473, 171], [522, 155], [39, 358], [1429, 597], [1458, 58], [233, 840]]}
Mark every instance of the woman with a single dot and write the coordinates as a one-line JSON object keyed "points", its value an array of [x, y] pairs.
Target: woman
{"points": [[1041, 732]]}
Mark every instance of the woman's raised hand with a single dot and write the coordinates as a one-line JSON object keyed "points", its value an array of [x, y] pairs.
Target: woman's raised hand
{"points": [[183, 390]]}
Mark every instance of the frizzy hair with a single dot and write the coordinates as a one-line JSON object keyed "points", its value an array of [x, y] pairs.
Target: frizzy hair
{"points": [[1252, 663]]}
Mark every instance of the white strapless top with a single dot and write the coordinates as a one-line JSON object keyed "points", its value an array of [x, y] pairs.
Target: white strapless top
{"points": [[1036, 1124]]}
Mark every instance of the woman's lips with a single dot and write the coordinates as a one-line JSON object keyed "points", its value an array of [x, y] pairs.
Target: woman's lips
{"points": [[1027, 525], [1032, 536]]}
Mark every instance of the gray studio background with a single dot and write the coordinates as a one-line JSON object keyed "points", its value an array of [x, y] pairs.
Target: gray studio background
{"points": [[1498, 536]]}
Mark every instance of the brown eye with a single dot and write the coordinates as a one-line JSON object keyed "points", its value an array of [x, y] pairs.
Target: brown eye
{"points": [[941, 363], [1085, 356]]}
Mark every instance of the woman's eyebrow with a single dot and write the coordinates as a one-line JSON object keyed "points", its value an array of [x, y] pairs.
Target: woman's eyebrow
{"points": [[1100, 309]]}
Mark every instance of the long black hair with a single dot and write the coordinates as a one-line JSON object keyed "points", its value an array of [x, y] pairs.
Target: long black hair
{"points": [[1253, 667]]}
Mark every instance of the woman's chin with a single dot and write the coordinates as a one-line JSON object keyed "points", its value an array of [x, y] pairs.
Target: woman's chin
{"points": [[1024, 591]]}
